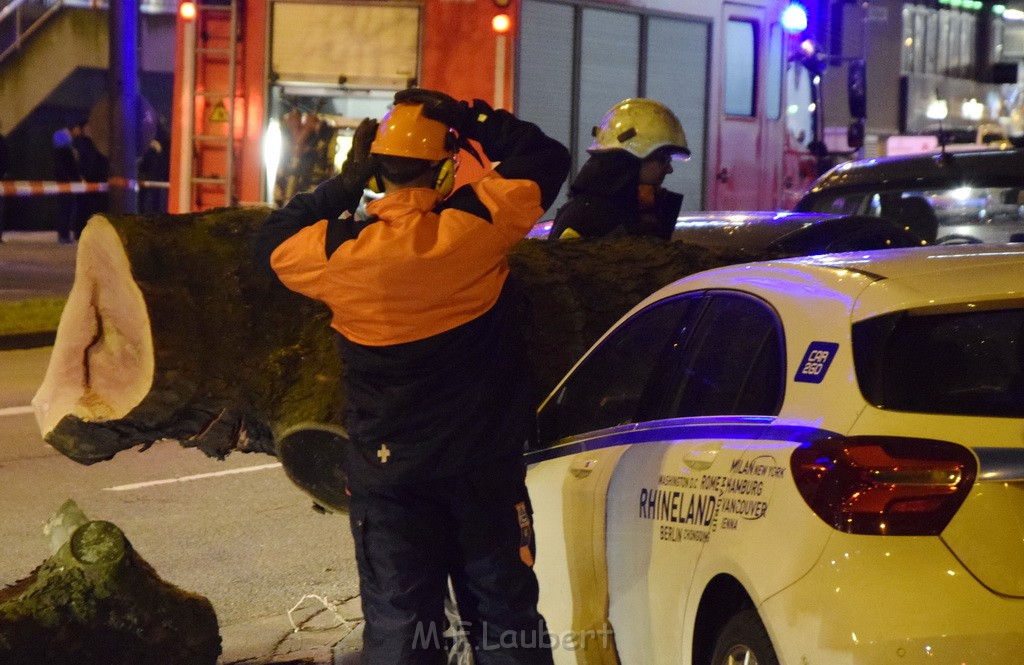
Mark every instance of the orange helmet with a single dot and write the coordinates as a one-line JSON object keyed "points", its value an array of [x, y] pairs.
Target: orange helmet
{"points": [[406, 132]]}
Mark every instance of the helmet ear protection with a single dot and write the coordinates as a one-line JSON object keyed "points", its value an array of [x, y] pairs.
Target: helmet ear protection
{"points": [[374, 184], [445, 182]]}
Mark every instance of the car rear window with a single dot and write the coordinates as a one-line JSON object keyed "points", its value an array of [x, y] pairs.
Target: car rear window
{"points": [[961, 362], [954, 215]]}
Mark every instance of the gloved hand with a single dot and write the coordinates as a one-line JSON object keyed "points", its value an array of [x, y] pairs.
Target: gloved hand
{"points": [[437, 106], [358, 166]]}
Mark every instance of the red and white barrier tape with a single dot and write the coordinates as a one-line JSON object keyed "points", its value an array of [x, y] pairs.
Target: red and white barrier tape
{"points": [[46, 187]]}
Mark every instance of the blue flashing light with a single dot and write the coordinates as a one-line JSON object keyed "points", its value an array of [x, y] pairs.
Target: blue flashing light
{"points": [[794, 18]]}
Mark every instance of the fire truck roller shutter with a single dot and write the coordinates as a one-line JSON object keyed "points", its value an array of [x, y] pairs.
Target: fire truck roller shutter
{"points": [[621, 54]]}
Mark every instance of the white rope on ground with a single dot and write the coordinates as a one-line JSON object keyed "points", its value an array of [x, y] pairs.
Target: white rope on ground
{"points": [[328, 605]]}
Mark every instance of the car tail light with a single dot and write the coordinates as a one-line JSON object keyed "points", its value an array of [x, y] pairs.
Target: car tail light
{"points": [[884, 485]]}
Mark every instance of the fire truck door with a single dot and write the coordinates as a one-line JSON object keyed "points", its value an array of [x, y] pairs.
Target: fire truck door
{"points": [[739, 181]]}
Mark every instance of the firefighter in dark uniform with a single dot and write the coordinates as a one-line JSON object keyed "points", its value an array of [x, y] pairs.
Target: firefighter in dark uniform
{"points": [[619, 189], [437, 410]]}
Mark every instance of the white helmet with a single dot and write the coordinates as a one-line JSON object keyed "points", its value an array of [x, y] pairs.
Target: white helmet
{"points": [[640, 126]]}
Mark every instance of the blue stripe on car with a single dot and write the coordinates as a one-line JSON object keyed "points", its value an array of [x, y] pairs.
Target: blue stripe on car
{"points": [[757, 430]]}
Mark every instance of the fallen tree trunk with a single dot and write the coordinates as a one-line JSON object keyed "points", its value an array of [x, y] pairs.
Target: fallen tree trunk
{"points": [[95, 601], [169, 332]]}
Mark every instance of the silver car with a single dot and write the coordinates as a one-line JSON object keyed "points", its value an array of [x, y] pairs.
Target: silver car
{"points": [[945, 198]]}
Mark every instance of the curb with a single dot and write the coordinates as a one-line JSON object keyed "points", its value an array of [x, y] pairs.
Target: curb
{"points": [[323, 637]]}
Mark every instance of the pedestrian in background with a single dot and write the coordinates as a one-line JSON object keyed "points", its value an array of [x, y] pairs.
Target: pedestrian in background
{"points": [[155, 167], [438, 410], [65, 169], [619, 189], [5, 167], [94, 167]]}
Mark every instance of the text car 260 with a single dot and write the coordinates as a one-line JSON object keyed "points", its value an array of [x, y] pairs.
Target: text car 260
{"points": [[803, 462]]}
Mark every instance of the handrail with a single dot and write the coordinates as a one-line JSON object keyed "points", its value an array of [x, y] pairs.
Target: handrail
{"points": [[9, 9], [23, 33]]}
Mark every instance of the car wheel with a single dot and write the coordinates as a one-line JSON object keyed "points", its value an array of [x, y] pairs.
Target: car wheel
{"points": [[744, 641]]}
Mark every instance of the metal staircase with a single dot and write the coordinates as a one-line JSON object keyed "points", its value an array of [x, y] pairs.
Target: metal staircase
{"points": [[43, 42], [19, 19]]}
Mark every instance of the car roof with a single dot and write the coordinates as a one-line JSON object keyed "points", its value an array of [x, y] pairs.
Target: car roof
{"points": [[791, 232], [936, 169], [878, 280], [781, 230], [742, 229], [750, 229]]}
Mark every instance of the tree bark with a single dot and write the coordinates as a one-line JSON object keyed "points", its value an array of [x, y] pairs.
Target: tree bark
{"points": [[95, 601], [169, 332]]}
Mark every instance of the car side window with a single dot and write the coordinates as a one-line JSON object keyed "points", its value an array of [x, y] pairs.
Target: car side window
{"points": [[734, 362], [609, 388], [842, 204]]}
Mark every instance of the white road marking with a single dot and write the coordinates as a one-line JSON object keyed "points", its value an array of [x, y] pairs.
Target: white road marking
{"points": [[16, 411], [185, 479]]}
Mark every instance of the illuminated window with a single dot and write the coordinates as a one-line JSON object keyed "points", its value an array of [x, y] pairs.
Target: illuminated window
{"points": [[740, 67]]}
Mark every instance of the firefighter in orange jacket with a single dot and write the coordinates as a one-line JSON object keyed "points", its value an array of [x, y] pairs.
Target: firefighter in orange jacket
{"points": [[437, 411]]}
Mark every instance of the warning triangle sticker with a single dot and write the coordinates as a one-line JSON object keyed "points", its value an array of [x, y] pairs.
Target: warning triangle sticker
{"points": [[219, 113]]}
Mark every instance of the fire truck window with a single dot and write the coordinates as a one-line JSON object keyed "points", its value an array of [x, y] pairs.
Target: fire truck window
{"points": [[740, 67], [799, 100], [773, 86]]}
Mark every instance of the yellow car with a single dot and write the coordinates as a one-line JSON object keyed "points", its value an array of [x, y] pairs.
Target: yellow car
{"points": [[805, 462]]}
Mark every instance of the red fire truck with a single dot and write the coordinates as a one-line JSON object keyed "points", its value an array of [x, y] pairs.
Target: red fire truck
{"points": [[256, 77]]}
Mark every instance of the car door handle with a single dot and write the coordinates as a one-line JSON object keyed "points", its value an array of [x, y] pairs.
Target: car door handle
{"points": [[582, 468], [702, 457], [723, 175]]}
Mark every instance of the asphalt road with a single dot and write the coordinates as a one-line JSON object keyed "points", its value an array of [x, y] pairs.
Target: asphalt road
{"points": [[34, 265], [235, 531]]}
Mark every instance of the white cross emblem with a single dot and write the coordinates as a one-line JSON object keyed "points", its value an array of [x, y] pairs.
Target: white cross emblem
{"points": [[383, 453]]}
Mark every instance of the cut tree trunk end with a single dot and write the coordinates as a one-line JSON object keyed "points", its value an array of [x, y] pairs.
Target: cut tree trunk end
{"points": [[170, 333], [102, 363]]}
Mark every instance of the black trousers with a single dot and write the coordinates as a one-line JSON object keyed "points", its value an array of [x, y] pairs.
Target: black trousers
{"points": [[67, 213], [475, 528]]}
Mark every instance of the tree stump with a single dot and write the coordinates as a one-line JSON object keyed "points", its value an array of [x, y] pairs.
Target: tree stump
{"points": [[95, 601], [170, 332]]}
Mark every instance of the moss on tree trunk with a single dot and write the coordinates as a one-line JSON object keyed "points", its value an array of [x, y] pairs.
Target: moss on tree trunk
{"points": [[95, 601], [171, 333]]}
